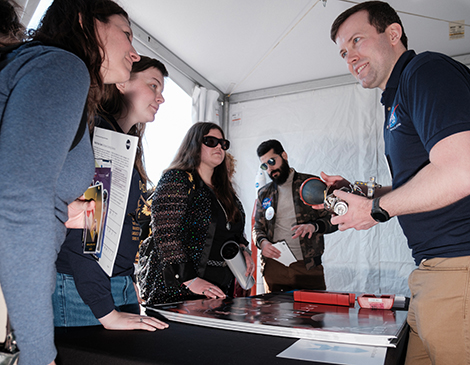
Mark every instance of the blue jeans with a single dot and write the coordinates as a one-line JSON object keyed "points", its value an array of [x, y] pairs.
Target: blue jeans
{"points": [[71, 311]]}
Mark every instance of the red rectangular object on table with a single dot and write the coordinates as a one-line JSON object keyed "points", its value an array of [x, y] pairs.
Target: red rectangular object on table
{"points": [[325, 297], [374, 302]]}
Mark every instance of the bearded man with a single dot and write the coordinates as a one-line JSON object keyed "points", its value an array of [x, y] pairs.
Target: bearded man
{"points": [[282, 216]]}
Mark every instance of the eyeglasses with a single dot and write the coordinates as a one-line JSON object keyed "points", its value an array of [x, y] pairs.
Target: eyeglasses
{"points": [[212, 142], [270, 162]]}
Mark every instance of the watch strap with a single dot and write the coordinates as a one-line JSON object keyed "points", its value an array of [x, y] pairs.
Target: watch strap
{"points": [[379, 214]]}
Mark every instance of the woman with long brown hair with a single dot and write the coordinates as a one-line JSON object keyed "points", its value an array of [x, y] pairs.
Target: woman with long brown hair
{"points": [[46, 159], [85, 295], [11, 29], [195, 210]]}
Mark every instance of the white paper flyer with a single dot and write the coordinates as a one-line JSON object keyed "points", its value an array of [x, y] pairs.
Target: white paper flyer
{"points": [[120, 149], [335, 353], [287, 257]]}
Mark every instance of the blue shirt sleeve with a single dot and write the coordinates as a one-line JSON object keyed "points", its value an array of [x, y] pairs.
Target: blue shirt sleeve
{"points": [[438, 91], [42, 96]]}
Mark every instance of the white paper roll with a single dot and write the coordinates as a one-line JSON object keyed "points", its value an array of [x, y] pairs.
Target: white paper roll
{"points": [[235, 260]]}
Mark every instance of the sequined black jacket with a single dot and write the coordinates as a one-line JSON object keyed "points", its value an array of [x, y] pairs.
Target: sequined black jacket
{"points": [[182, 235]]}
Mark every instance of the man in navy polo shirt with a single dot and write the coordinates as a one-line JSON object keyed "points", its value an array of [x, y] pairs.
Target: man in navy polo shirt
{"points": [[427, 144]]}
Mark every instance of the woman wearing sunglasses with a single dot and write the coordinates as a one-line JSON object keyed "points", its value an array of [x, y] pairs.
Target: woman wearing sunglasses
{"points": [[194, 212]]}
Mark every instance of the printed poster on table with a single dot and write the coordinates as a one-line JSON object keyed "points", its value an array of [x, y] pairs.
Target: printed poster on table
{"points": [[280, 315], [120, 149]]}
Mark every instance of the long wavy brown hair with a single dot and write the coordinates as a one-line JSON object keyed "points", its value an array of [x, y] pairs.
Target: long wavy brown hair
{"points": [[114, 102], [188, 158], [70, 25], [11, 29]]}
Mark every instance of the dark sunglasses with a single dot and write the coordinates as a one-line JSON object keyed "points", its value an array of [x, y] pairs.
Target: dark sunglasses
{"points": [[270, 162], [212, 142]]}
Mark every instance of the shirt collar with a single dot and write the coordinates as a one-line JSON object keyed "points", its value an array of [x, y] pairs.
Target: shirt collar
{"points": [[392, 84], [111, 120]]}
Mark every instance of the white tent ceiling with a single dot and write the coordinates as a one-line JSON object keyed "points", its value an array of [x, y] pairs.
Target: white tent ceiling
{"points": [[244, 45], [240, 47], [254, 49]]}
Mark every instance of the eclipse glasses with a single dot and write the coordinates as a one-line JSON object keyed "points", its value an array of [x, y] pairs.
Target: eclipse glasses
{"points": [[212, 142]]}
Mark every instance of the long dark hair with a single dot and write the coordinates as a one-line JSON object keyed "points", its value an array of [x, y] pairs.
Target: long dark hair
{"points": [[188, 158], [70, 25], [11, 29], [113, 103]]}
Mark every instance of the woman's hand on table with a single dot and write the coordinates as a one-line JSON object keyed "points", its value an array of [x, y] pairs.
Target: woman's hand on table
{"points": [[203, 287], [130, 321]]}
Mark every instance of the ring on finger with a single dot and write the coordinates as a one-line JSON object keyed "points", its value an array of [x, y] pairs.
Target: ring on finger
{"points": [[141, 319], [210, 289]]}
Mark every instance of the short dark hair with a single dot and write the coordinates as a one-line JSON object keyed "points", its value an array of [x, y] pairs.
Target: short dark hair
{"points": [[381, 15], [266, 146]]}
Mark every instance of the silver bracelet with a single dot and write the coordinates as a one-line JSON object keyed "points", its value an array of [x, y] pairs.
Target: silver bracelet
{"points": [[246, 249], [192, 281], [317, 227]]}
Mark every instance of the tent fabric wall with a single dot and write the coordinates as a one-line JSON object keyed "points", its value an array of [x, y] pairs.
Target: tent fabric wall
{"points": [[339, 131], [205, 105]]}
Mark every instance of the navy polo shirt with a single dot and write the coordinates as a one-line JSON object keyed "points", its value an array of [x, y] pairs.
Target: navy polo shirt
{"points": [[427, 99]]}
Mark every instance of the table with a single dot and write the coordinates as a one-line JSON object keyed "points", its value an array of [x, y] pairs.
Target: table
{"points": [[179, 344]]}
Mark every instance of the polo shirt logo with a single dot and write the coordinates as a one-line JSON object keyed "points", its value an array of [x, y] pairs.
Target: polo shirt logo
{"points": [[393, 120]]}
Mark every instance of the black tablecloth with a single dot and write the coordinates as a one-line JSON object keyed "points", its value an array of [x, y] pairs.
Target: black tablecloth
{"points": [[178, 344]]}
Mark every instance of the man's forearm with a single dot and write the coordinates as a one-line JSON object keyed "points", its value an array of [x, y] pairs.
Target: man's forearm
{"points": [[428, 190], [445, 180]]}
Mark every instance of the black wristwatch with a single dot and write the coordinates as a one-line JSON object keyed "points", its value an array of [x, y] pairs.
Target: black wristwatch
{"points": [[380, 215]]}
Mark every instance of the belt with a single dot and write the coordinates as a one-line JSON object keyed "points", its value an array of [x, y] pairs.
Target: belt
{"points": [[216, 263]]}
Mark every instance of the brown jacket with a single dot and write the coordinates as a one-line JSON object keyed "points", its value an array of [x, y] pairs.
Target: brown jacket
{"points": [[264, 228]]}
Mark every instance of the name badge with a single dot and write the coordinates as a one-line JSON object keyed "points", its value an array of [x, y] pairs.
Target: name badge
{"points": [[269, 213]]}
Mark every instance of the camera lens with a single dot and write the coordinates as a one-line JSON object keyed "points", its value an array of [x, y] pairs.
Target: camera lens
{"points": [[340, 208]]}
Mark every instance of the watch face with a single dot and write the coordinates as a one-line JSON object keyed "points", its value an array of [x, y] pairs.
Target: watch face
{"points": [[379, 216]]}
